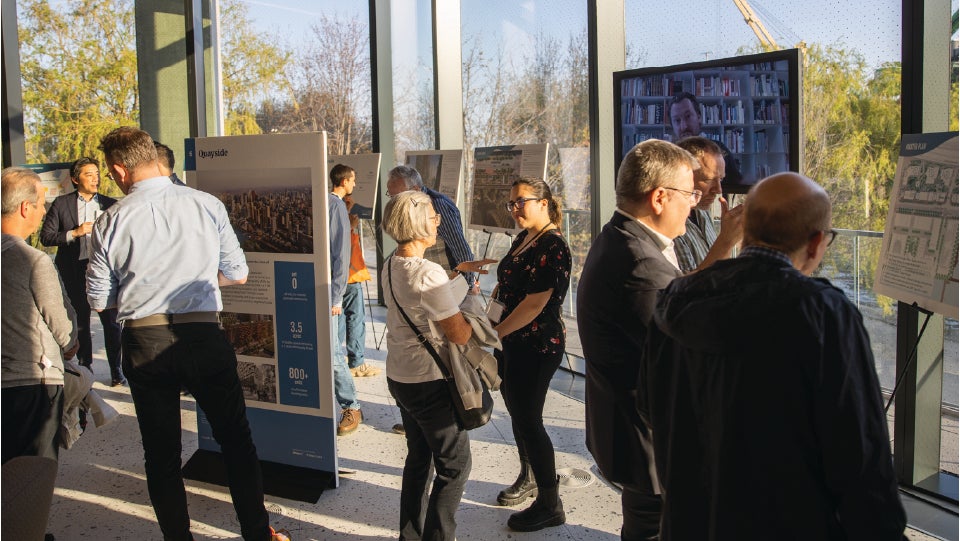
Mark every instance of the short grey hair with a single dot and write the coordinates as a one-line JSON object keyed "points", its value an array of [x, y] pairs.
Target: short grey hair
{"points": [[17, 184], [649, 165], [406, 216], [410, 176]]}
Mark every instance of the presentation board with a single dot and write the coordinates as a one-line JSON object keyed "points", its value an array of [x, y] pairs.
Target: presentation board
{"points": [[441, 170], [279, 321], [55, 177], [494, 171], [918, 260], [367, 167]]}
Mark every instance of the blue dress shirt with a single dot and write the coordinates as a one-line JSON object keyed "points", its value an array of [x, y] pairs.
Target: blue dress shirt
{"points": [[158, 250]]}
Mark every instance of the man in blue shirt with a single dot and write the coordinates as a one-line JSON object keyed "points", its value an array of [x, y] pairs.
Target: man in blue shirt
{"points": [[160, 255], [454, 245], [343, 180]]}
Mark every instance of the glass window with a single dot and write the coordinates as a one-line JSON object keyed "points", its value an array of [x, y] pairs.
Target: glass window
{"points": [[290, 66], [525, 80], [413, 81], [76, 86]]}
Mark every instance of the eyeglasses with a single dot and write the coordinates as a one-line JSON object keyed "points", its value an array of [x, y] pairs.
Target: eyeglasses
{"points": [[831, 235], [518, 203], [694, 196], [435, 218]]}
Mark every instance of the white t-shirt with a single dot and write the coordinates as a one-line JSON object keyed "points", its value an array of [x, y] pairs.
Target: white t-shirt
{"points": [[426, 294]]}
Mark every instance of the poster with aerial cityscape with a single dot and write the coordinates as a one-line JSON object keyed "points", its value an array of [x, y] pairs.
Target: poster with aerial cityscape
{"points": [[274, 189]]}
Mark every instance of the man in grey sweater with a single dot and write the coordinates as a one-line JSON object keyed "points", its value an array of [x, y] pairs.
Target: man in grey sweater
{"points": [[37, 326]]}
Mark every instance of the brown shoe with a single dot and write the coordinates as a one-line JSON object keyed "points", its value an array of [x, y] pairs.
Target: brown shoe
{"points": [[349, 422], [364, 371]]}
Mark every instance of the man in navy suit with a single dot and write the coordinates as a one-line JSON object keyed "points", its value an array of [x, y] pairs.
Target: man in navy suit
{"points": [[628, 264], [67, 226]]}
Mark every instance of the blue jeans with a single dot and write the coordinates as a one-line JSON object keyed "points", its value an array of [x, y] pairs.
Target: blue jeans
{"points": [[351, 328], [157, 360], [343, 386], [433, 438]]}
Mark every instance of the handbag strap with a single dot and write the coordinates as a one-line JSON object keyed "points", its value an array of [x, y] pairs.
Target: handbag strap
{"points": [[420, 337]]}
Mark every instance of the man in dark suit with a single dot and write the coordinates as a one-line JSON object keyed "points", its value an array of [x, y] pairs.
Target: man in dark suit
{"points": [[67, 226], [628, 264]]}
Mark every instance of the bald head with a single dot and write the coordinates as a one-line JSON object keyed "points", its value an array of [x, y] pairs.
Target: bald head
{"points": [[785, 211]]}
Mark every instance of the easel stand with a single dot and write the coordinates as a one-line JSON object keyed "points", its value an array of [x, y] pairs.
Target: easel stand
{"points": [[912, 357]]}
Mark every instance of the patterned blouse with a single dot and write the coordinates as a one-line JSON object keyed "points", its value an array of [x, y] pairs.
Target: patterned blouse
{"points": [[543, 265]]}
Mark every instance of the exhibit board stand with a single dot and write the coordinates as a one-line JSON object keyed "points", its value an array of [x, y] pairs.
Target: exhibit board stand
{"points": [[275, 190], [441, 170], [918, 260], [367, 170], [494, 171]]}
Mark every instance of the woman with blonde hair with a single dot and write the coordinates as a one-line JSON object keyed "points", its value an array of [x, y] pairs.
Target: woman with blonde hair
{"points": [[425, 293]]}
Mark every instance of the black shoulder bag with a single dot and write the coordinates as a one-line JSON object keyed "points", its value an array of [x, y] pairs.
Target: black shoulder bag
{"points": [[467, 419]]}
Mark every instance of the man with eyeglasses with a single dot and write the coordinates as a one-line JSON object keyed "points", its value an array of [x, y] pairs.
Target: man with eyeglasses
{"points": [[38, 328], [453, 250], [628, 264], [701, 245], [760, 387]]}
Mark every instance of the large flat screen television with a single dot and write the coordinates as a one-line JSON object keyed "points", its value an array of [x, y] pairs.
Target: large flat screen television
{"points": [[749, 104]]}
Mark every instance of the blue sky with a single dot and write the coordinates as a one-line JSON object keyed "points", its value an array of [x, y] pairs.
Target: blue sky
{"points": [[659, 31]]}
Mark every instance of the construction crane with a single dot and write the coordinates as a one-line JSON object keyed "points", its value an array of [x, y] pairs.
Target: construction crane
{"points": [[766, 40]]}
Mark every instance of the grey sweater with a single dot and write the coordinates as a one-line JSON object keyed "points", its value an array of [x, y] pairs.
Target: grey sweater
{"points": [[37, 320]]}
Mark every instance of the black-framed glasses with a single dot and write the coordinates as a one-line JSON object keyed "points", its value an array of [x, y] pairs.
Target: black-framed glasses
{"points": [[518, 203], [694, 196], [831, 236]]}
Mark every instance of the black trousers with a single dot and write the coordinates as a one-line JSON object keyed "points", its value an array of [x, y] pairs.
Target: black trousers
{"points": [[158, 360], [433, 440], [641, 513], [75, 283], [31, 421], [526, 377]]}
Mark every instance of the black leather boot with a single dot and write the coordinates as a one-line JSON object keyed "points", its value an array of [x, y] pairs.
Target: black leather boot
{"points": [[546, 511], [524, 487]]}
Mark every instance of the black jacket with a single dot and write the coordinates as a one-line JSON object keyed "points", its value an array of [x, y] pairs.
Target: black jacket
{"points": [[621, 277], [763, 398]]}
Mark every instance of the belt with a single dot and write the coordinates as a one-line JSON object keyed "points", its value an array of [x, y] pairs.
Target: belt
{"points": [[173, 319]]}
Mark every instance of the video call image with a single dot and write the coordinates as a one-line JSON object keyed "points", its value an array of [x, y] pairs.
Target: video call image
{"points": [[747, 105]]}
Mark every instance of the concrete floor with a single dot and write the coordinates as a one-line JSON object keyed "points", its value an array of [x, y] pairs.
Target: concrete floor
{"points": [[101, 490]]}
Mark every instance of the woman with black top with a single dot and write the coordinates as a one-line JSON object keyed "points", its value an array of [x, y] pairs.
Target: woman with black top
{"points": [[532, 281]]}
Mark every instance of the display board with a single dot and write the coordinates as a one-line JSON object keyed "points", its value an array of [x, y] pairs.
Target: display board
{"points": [[55, 177], [494, 171], [749, 104], [441, 170], [367, 167], [918, 260], [279, 321]]}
